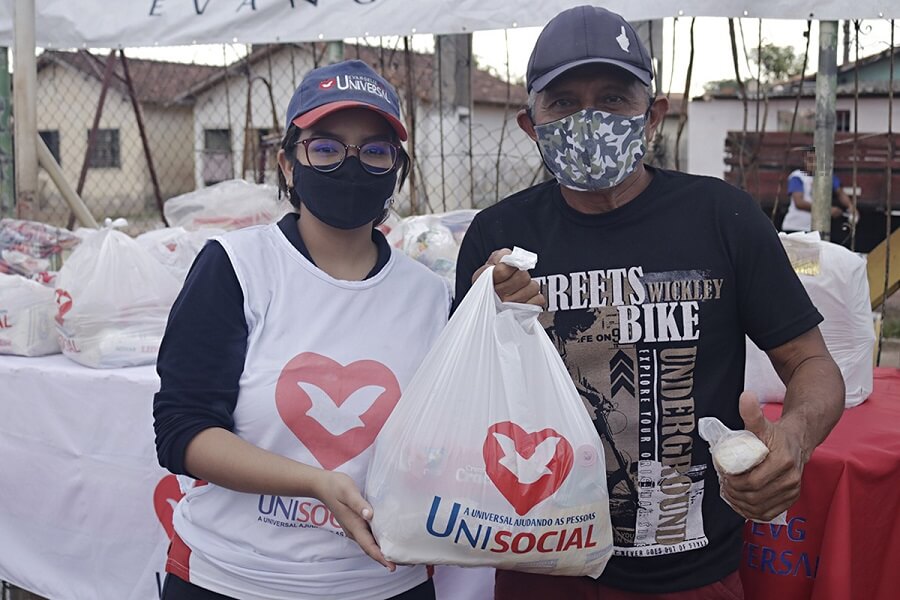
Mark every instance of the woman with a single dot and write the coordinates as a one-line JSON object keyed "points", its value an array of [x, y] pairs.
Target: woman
{"points": [[283, 357]]}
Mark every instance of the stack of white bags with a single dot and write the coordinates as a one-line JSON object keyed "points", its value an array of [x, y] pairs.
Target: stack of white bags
{"points": [[26, 317], [835, 279], [113, 301]]}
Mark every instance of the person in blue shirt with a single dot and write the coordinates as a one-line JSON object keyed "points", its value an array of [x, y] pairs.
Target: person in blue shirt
{"points": [[800, 190]]}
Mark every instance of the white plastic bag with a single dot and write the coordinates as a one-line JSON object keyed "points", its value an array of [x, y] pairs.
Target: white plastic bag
{"points": [[176, 247], [113, 302], [26, 317], [228, 205], [490, 457], [433, 240], [734, 452], [837, 283]]}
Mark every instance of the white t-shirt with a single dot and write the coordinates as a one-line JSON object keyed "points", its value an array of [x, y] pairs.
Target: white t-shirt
{"points": [[326, 362], [798, 219]]}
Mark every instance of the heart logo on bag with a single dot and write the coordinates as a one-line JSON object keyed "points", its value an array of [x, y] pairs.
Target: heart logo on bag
{"points": [[165, 497], [64, 302], [336, 411], [527, 468]]}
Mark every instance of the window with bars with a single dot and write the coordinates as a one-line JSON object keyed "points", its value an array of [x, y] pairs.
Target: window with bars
{"points": [[105, 152], [217, 159], [842, 119], [217, 140]]}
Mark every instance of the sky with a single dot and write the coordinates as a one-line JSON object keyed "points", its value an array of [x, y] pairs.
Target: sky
{"points": [[712, 48]]}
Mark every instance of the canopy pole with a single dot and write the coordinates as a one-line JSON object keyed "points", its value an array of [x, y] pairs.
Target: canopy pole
{"points": [[826, 97]]}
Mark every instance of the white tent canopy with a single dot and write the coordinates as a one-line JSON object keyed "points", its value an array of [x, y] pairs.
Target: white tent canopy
{"points": [[67, 24]]}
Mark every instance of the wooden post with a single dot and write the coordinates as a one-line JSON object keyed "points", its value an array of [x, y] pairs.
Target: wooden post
{"points": [[73, 198], [7, 189], [454, 92], [411, 122], [334, 52], [25, 108]]}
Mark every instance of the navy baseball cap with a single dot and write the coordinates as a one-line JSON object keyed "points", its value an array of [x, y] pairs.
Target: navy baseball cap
{"points": [[347, 84], [584, 35]]}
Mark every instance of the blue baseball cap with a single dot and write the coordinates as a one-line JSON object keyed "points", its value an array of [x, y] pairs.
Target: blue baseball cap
{"points": [[585, 35], [347, 84]]}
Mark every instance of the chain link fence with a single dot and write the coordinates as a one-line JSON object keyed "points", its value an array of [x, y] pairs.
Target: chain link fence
{"points": [[130, 133]]}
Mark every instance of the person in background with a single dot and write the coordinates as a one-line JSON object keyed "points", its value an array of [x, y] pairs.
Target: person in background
{"points": [[284, 355], [651, 280], [800, 190]]}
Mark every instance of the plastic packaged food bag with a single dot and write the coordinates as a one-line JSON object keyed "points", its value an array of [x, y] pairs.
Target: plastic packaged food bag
{"points": [[837, 283], [433, 240], [176, 247], [32, 249], [734, 452], [26, 317], [228, 205], [490, 457], [113, 301]]}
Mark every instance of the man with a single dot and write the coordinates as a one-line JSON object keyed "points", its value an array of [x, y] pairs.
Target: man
{"points": [[800, 189], [651, 279]]}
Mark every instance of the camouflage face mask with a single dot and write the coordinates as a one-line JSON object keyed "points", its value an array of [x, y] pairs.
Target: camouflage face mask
{"points": [[592, 150]]}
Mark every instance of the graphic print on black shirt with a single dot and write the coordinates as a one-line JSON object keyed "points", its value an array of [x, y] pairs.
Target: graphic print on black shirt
{"points": [[630, 342], [648, 306]]}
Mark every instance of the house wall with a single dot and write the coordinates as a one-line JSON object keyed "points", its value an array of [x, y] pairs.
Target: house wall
{"points": [[710, 120], [169, 135], [503, 159], [669, 131], [437, 189], [879, 71], [225, 106], [125, 190]]}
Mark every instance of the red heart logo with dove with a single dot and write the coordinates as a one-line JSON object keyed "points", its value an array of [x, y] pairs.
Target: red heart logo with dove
{"points": [[335, 410], [527, 468], [165, 497], [64, 302]]}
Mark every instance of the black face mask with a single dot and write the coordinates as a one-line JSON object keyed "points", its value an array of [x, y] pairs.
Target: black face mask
{"points": [[346, 198]]}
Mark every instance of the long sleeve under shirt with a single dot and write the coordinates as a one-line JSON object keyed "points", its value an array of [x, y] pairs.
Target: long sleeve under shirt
{"points": [[201, 357]]}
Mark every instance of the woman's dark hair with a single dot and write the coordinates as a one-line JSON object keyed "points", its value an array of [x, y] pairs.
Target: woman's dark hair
{"points": [[289, 143]]}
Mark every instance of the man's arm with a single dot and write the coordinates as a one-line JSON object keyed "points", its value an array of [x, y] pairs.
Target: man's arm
{"points": [[795, 191], [813, 403], [844, 201], [801, 202]]}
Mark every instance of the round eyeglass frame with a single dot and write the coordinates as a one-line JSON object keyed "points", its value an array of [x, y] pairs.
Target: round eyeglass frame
{"points": [[328, 169]]}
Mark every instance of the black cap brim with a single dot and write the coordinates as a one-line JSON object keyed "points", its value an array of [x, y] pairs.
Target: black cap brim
{"points": [[544, 80]]}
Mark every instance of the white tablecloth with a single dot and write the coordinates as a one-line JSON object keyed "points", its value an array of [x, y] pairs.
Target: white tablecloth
{"points": [[78, 473], [84, 506]]}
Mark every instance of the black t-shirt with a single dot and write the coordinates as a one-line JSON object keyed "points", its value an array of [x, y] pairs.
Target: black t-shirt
{"points": [[648, 306]]}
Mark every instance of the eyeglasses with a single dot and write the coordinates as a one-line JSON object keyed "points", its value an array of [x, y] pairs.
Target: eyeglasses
{"points": [[326, 154]]}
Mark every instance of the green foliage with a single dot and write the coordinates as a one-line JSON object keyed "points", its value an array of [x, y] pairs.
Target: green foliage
{"points": [[891, 328], [777, 63], [725, 86]]}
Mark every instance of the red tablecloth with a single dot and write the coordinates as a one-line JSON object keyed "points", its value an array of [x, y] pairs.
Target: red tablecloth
{"points": [[842, 540]]}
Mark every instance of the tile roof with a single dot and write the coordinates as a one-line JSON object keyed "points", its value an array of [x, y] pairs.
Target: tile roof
{"points": [[391, 63], [156, 82]]}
